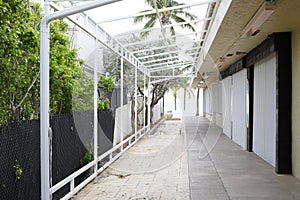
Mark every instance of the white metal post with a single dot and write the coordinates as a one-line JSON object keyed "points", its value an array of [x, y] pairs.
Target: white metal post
{"points": [[44, 112], [135, 101], [144, 102], [121, 100], [149, 101], [95, 117], [44, 86]]}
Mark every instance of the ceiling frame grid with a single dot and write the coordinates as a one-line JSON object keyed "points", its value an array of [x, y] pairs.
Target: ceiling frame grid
{"points": [[173, 52]]}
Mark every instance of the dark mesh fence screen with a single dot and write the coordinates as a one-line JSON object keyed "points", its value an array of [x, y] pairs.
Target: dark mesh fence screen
{"points": [[20, 145]]}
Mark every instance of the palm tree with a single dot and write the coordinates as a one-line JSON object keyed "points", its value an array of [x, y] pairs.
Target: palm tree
{"points": [[166, 17]]}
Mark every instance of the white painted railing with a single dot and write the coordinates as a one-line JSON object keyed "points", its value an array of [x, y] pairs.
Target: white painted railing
{"points": [[130, 141]]}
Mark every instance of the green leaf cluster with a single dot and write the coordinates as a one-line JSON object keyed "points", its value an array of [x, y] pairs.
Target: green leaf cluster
{"points": [[88, 157], [18, 170], [103, 104], [107, 86], [19, 64], [107, 83]]}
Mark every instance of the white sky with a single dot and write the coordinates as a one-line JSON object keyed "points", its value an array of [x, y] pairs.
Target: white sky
{"points": [[129, 7]]}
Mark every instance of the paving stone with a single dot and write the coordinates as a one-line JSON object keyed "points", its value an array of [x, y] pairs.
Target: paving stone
{"points": [[199, 164]]}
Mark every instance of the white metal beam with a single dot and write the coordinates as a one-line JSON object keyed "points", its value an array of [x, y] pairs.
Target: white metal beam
{"points": [[168, 68], [170, 25], [176, 76], [169, 78], [114, 45], [164, 47], [163, 59], [160, 10], [167, 63], [161, 39], [166, 53]]}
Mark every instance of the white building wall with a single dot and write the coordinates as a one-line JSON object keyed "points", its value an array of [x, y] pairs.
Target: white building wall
{"points": [[156, 113], [216, 95], [122, 123], [213, 103], [186, 103], [264, 109], [186, 100], [208, 104], [239, 130], [296, 103], [226, 105]]}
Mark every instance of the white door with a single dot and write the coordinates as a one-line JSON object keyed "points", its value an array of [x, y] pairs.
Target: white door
{"points": [[239, 130], [226, 105], [264, 121]]}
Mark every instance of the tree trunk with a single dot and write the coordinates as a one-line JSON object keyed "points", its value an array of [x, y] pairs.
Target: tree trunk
{"points": [[175, 100], [132, 113], [198, 91], [184, 99]]}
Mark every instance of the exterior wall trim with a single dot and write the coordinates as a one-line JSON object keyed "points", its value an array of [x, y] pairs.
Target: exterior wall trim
{"points": [[279, 43]]}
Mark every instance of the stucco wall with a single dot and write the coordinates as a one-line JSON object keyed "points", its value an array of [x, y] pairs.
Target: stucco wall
{"points": [[156, 113], [296, 103], [122, 122]]}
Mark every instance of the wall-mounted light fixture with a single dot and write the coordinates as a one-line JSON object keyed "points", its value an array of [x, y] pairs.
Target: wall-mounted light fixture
{"points": [[219, 62], [263, 13]]}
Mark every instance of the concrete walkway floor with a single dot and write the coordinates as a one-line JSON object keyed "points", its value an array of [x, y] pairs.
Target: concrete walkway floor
{"points": [[190, 159]]}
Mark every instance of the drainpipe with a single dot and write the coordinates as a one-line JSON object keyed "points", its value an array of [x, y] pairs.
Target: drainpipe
{"points": [[44, 86]]}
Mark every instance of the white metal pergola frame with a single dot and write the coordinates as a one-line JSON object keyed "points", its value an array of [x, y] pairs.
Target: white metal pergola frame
{"points": [[130, 56]]}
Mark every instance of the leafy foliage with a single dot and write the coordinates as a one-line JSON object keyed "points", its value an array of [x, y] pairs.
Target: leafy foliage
{"points": [[19, 60], [166, 17], [105, 85], [88, 157], [83, 93], [19, 63], [18, 170]]}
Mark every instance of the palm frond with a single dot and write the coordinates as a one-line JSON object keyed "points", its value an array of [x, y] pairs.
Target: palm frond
{"points": [[150, 3], [139, 19], [188, 26], [149, 24], [186, 14], [179, 19], [178, 15]]}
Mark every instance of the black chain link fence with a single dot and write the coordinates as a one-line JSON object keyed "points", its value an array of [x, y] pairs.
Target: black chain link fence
{"points": [[20, 150]]}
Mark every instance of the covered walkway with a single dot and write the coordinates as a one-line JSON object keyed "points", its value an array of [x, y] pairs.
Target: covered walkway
{"points": [[199, 163]]}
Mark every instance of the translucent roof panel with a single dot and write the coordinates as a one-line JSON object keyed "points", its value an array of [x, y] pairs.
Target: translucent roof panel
{"points": [[161, 36]]}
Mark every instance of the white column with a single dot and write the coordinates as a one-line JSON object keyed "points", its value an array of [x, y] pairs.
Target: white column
{"points": [[44, 112], [149, 101], [144, 102], [121, 100], [44, 86], [135, 101], [95, 116]]}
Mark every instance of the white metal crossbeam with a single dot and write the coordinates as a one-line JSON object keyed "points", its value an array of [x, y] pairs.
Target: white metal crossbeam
{"points": [[163, 47], [170, 63], [160, 10], [171, 58], [114, 44], [167, 68], [166, 53], [161, 39], [170, 66], [171, 25]]}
